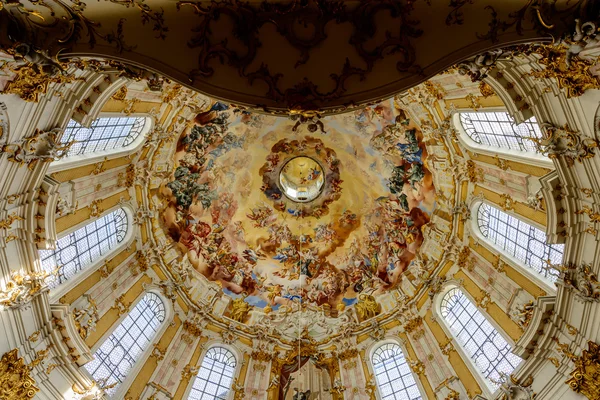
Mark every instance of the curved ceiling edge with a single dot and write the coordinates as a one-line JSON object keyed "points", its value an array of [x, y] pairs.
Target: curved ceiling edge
{"points": [[288, 56]]}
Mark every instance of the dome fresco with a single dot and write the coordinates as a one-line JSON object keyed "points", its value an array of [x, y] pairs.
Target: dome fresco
{"points": [[225, 206]]}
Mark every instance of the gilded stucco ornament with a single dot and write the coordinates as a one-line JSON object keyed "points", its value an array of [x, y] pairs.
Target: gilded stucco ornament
{"points": [[24, 287], [16, 382], [565, 142], [582, 281], [86, 317], [367, 307], [522, 314], [574, 74], [239, 310], [585, 379], [512, 388], [42, 146]]}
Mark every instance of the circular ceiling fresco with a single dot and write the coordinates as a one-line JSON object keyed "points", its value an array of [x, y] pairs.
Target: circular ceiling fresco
{"points": [[301, 179], [278, 216]]}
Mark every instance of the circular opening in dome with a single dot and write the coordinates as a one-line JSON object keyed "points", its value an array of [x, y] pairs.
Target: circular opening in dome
{"points": [[301, 179]]}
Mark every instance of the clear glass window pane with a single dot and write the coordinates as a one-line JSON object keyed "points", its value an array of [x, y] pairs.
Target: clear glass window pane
{"points": [[498, 129], [394, 377], [76, 251], [519, 240], [118, 354], [215, 375], [488, 350], [104, 134]]}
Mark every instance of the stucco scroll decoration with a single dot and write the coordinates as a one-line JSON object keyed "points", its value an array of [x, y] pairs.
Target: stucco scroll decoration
{"points": [[582, 281], [565, 142], [42, 146], [248, 18], [24, 287], [15, 379], [585, 378], [512, 388], [572, 73]]}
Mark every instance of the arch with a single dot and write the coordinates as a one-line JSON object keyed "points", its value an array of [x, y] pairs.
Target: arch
{"points": [[215, 376], [496, 132], [486, 348], [119, 352], [517, 240], [110, 135], [83, 247], [393, 375]]}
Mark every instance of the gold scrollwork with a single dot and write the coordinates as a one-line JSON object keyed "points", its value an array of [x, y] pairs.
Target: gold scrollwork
{"points": [[15, 379], [584, 379]]}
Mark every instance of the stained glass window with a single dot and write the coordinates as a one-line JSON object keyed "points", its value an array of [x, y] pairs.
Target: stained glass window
{"points": [[393, 374], [118, 354], [519, 240], [104, 134], [215, 376], [488, 350], [77, 250], [498, 129]]}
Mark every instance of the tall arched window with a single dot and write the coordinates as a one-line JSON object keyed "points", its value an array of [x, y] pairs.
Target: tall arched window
{"points": [[104, 134], [215, 376], [520, 240], [498, 129], [77, 250], [118, 354], [393, 374], [488, 350]]}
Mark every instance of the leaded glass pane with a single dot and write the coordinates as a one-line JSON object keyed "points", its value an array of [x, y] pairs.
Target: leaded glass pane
{"points": [[104, 134], [79, 249], [498, 129], [215, 376], [488, 350], [520, 240], [118, 354], [394, 377]]}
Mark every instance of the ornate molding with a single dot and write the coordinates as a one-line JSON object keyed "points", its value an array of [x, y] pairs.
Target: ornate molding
{"points": [[15, 379], [23, 287], [584, 379]]}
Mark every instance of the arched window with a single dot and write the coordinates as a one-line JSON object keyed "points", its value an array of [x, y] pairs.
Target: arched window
{"points": [[77, 250], [498, 129], [488, 350], [118, 354], [215, 376], [393, 374], [520, 240], [103, 135]]}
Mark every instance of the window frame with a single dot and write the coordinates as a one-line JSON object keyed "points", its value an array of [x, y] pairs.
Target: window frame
{"points": [[236, 373], [371, 369], [482, 381], [60, 290], [90, 158], [143, 358], [508, 154], [545, 284]]}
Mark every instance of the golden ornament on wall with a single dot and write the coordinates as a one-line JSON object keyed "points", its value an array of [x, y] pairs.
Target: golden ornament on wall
{"points": [[15, 379], [367, 307], [572, 75], [585, 379]]}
